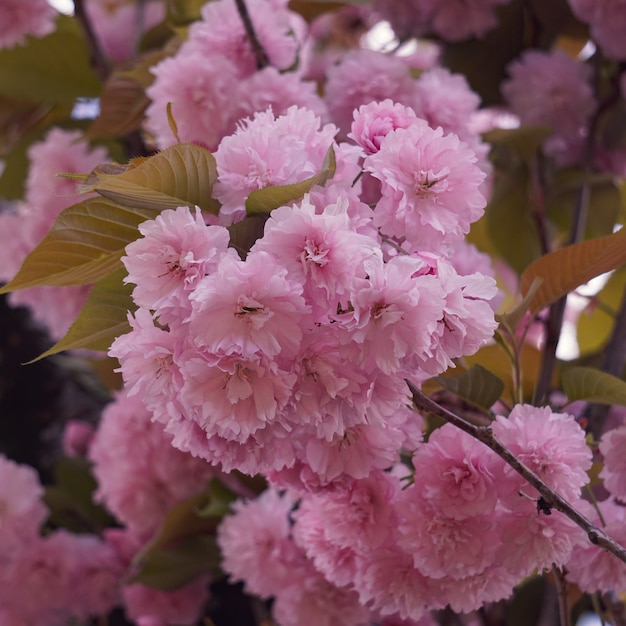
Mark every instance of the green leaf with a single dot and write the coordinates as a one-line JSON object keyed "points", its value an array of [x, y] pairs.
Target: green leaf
{"points": [[220, 499], [183, 526], [55, 68], [593, 385], [270, 198], [565, 269], [476, 385], [173, 567], [71, 501], [182, 175], [102, 319], [84, 245], [243, 234], [595, 322]]}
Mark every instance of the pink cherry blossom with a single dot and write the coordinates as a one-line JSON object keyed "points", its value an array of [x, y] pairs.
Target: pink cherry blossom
{"points": [[363, 76], [612, 447], [456, 473], [396, 314], [22, 511], [443, 546], [233, 396], [552, 89], [176, 251], [321, 251], [221, 32], [373, 122], [430, 186], [592, 568], [607, 19], [268, 151], [20, 19], [248, 307], [256, 544], [550, 444], [200, 88], [140, 475]]}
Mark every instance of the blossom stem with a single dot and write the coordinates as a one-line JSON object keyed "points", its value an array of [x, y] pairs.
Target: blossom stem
{"points": [[99, 60], [262, 60], [561, 590], [550, 498]]}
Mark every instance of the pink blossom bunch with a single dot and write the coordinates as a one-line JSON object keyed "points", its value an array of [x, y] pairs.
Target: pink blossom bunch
{"points": [[269, 150], [607, 20], [140, 475], [452, 20], [456, 536], [20, 19], [48, 579], [47, 194], [551, 89], [212, 81], [612, 446], [364, 76]]}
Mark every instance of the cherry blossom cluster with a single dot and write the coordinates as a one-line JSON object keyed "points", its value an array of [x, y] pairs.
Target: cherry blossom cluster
{"points": [[46, 195], [463, 532], [291, 362], [61, 575]]}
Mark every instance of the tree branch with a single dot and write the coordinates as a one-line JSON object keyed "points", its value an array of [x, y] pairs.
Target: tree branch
{"points": [[484, 434], [262, 60], [98, 59]]}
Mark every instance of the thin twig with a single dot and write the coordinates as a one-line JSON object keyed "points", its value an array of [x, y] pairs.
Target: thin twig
{"points": [[98, 59], [561, 592], [262, 60], [612, 363], [552, 499]]}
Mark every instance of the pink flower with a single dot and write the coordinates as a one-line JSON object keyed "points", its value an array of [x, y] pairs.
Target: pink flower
{"points": [[256, 546], [389, 582], [551, 444], [77, 437], [321, 251], [613, 447], [176, 251], [233, 396], [592, 568], [201, 89], [221, 32], [313, 601], [455, 473], [430, 186], [364, 76], [552, 89], [61, 152], [248, 308], [269, 88], [20, 19], [443, 546], [268, 151], [140, 475], [531, 541], [374, 121], [607, 19], [445, 99], [394, 315], [119, 25], [22, 511]]}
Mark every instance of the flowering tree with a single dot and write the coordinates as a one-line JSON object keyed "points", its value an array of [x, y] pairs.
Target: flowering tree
{"points": [[333, 273]]}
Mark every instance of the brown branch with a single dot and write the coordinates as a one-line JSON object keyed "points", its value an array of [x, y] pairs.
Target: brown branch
{"points": [[561, 591], [262, 60], [99, 60], [484, 434]]}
